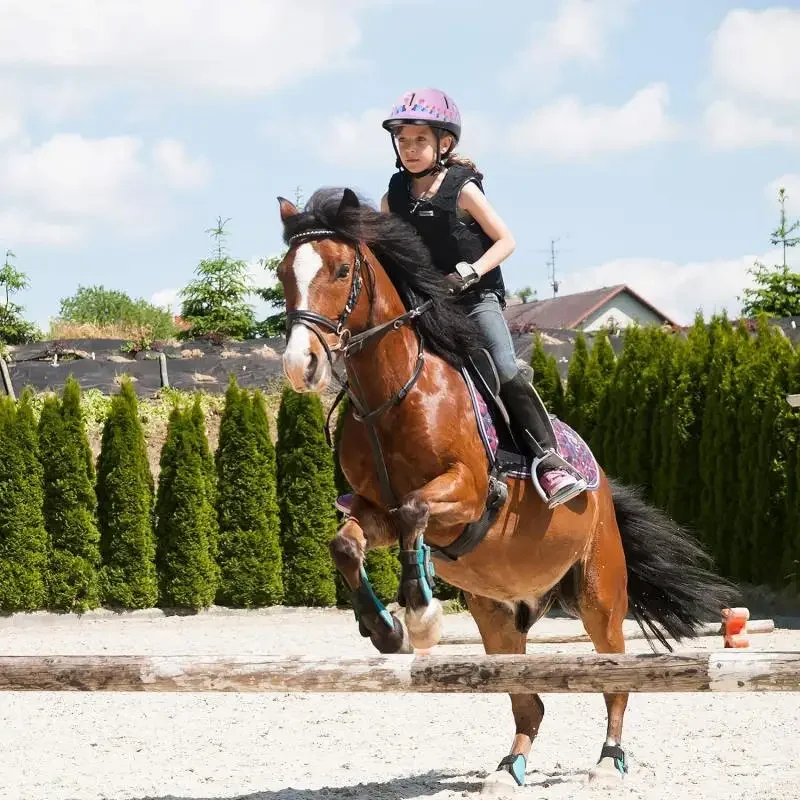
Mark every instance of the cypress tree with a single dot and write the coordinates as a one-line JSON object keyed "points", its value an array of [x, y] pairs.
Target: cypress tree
{"points": [[538, 360], [70, 504], [383, 564], [619, 433], [740, 544], [23, 538], [766, 508], [643, 457], [685, 484], [187, 573], [598, 372], [547, 379], [577, 394], [791, 550], [73, 419], [249, 548], [306, 493], [664, 420], [198, 419], [604, 361], [271, 554], [718, 451], [125, 489]]}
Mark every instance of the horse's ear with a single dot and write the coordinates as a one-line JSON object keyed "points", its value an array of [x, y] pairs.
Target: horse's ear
{"points": [[288, 209], [349, 200]]}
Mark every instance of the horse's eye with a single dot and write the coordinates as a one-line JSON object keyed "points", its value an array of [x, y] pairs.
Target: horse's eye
{"points": [[343, 271]]}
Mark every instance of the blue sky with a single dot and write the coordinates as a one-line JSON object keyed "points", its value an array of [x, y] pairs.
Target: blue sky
{"points": [[648, 137]]}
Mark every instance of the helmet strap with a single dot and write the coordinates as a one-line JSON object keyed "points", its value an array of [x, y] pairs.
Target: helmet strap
{"points": [[437, 166]]}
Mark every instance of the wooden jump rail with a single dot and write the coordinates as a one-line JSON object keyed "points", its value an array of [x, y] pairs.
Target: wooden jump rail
{"points": [[710, 629], [728, 670]]}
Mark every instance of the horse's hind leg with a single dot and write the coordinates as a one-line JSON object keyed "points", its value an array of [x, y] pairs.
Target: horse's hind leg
{"points": [[603, 604], [501, 633]]}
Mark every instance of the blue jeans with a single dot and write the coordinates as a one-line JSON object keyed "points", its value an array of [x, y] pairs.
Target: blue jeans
{"points": [[485, 309]]}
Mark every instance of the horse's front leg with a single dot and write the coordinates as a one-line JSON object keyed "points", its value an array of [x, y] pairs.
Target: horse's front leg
{"points": [[368, 527], [448, 501]]}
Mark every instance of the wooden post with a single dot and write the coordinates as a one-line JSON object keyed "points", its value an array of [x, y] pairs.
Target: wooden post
{"points": [[710, 629], [694, 671], [7, 385], [162, 365]]}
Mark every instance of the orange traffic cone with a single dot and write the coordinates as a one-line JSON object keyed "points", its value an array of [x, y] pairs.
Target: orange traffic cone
{"points": [[734, 625]]}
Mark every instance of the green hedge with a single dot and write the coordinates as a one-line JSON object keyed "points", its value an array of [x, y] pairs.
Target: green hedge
{"points": [[702, 424], [700, 421]]}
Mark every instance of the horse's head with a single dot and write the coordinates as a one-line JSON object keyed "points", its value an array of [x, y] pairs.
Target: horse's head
{"points": [[322, 280]]}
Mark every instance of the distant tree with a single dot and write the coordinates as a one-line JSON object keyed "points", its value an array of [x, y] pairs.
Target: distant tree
{"points": [[777, 291], [96, 305], [13, 328], [214, 303], [275, 323]]}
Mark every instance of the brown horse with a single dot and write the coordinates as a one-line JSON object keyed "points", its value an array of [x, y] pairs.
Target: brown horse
{"points": [[360, 289]]}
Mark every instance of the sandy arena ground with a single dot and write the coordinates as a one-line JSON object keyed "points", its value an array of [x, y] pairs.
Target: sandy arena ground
{"points": [[126, 746]]}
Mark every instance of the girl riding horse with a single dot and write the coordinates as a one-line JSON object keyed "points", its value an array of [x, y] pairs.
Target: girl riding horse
{"points": [[440, 194]]}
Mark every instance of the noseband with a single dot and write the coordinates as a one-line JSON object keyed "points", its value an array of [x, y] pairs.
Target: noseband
{"points": [[349, 344]]}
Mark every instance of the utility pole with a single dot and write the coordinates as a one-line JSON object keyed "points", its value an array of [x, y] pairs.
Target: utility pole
{"points": [[298, 196], [552, 265]]}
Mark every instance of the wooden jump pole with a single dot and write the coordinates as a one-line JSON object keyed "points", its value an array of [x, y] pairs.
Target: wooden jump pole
{"points": [[729, 670], [710, 629]]}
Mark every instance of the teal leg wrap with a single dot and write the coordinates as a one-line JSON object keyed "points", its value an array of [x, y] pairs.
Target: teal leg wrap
{"points": [[365, 601], [618, 754], [515, 766], [417, 571]]}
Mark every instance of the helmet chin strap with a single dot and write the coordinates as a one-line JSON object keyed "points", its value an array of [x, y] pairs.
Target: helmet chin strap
{"points": [[437, 166]]}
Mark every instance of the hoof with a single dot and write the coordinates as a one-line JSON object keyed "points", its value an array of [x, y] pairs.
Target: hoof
{"points": [[425, 625], [392, 642], [499, 784], [606, 773]]}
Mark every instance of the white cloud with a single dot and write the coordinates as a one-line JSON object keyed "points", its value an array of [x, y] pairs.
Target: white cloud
{"points": [[579, 32], [568, 130], [73, 175], [20, 227], [679, 290], [351, 141], [755, 80], [756, 53], [676, 289], [247, 47], [167, 298], [178, 170], [57, 189], [357, 141], [728, 126]]}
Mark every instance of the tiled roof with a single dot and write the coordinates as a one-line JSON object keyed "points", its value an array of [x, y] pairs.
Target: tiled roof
{"points": [[569, 310]]}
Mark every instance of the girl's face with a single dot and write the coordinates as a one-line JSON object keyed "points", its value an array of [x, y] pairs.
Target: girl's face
{"points": [[417, 146]]}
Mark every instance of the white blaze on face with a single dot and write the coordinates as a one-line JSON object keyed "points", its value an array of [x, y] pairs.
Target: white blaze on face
{"points": [[307, 263]]}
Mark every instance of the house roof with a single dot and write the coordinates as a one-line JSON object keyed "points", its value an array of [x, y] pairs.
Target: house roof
{"points": [[570, 310]]}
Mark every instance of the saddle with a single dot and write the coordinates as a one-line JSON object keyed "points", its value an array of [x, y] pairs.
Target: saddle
{"points": [[506, 458]]}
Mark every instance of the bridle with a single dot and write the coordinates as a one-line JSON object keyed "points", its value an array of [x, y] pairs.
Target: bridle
{"points": [[350, 343]]}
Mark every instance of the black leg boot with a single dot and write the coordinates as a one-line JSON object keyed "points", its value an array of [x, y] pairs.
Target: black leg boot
{"points": [[555, 480]]}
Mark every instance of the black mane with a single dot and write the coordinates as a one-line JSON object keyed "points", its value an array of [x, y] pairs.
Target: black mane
{"points": [[446, 329]]}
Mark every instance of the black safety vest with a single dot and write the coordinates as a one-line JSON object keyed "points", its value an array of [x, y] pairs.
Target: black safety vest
{"points": [[448, 238]]}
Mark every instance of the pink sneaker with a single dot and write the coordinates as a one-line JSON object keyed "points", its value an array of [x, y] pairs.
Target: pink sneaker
{"points": [[559, 485], [344, 503]]}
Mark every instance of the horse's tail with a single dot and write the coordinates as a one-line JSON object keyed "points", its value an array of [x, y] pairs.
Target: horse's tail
{"points": [[669, 577]]}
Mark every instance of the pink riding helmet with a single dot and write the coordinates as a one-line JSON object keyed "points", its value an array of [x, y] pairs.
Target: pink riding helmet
{"points": [[425, 107]]}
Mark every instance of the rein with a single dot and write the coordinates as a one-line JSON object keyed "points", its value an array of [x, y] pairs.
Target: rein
{"points": [[350, 344]]}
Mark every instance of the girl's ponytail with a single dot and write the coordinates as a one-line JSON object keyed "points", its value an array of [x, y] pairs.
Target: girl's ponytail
{"points": [[454, 159]]}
